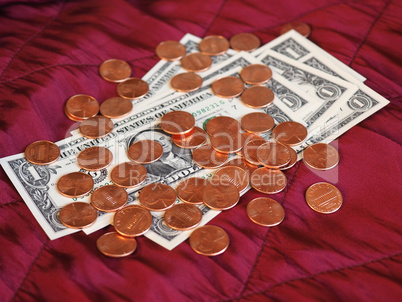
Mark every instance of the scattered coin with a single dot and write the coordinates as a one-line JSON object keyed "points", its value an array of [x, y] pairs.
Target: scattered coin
{"points": [[128, 175], [302, 28], [321, 156], [268, 181], [183, 217], [290, 133], [245, 42], [220, 196], [206, 157], [242, 163], [196, 62], [232, 175], [132, 88], [170, 50], [273, 155], [257, 122], [186, 82], [109, 198], [75, 184], [132, 220], [116, 107], [256, 74], [115, 70], [214, 45], [78, 215], [96, 127], [265, 211], [257, 97], [197, 138], [190, 190], [157, 197], [145, 151], [94, 158], [72, 117], [81, 106], [250, 151], [220, 124], [177, 122], [293, 159], [209, 240], [42, 153], [116, 246], [228, 87], [226, 142], [324, 198]]}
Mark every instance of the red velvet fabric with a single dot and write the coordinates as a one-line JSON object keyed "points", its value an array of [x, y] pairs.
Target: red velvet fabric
{"points": [[51, 50]]}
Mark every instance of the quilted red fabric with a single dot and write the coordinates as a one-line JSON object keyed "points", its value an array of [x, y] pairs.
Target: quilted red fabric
{"points": [[51, 50]]}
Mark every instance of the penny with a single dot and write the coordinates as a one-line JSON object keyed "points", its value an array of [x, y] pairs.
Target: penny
{"points": [[273, 155], [190, 190], [248, 136], [268, 181], [96, 127], [75, 184], [232, 175], [220, 196], [256, 74], [242, 163], [183, 217], [116, 107], [257, 122], [42, 153], [245, 42], [213, 45], [81, 106], [250, 151], [94, 158], [128, 175], [228, 87], [72, 117], [209, 240], [302, 28], [157, 197], [132, 220], [206, 157], [177, 122], [221, 124], [290, 133], [132, 88], [145, 151], [227, 142], [115, 70], [197, 138], [78, 215], [170, 50], [257, 97], [293, 159], [324, 198], [109, 198], [186, 82], [265, 211], [196, 62], [321, 156], [116, 246]]}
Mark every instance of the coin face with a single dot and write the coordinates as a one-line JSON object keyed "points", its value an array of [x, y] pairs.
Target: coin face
{"points": [[132, 220], [81, 106], [190, 190], [221, 124], [290, 133], [115, 70], [116, 107], [257, 97], [226, 142], [206, 157], [256, 74], [265, 211], [116, 246], [324, 198], [75, 184], [78, 215], [96, 127], [197, 138], [245, 42], [132, 88], [242, 163], [220, 196], [268, 181], [232, 175], [250, 151], [109, 198], [170, 50], [177, 122], [183, 217], [228, 87], [321, 156], [42, 153], [94, 158], [145, 151], [302, 28], [214, 45], [273, 155], [293, 159], [257, 122], [196, 62], [186, 82], [157, 197], [128, 175], [209, 240]]}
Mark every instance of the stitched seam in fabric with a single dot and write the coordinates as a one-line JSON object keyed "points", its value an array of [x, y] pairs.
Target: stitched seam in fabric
{"points": [[215, 17]]}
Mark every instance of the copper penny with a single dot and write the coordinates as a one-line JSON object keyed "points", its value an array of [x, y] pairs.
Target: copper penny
{"points": [[94, 158], [268, 181], [81, 106], [132, 220], [257, 97], [196, 62], [250, 151], [72, 117], [75, 184], [321, 156], [132, 88], [186, 82], [197, 138], [206, 157], [145, 151], [273, 155], [290, 133], [227, 142], [116, 246], [232, 175], [116, 107], [257, 122], [96, 127], [128, 175], [209, 240], [78, 215], [256, 74], [170, 50], [214, 45], [190, 190], [177, 122], [302, 28], [228, 87], [109, 198], [245, 42], [220, 196], [183, 217], [248, 137], [42, 153], [157, 197], [115, 70], [221, 124], [242, 163], [293, 159], [324, 198], [265, 211]]}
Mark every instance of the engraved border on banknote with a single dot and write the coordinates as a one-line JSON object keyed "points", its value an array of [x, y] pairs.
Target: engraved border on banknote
{"points": [[317, 64], [293, 101], [298, 49]]}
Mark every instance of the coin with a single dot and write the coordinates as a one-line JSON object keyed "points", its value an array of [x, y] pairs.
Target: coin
{"points": [[128, 175], [250, 151], [132, 88], [145, 151], [183, 217], [227, 142], [96, 127], [116, 246], [206, 157], [42, 153], [78, 215], [256, 74], [302, 28], [293, 159], [177, 122], [190, 190], [268, 181], [265, 211], [81, 106], [228, 87], [232, 175], [220, 196], [115, 70], [321, 156], [75, 184], [94, 158], [242, 163], [157, 197], [196, 62], [186, 82], [220, 124], [209, 240], [257, 122], [197, 138], [132, 220], [290, 133], [273, 155], [245, 42], [116, 107], [213, 45], [170, 50], [72, 117], [324, 198], [257, 97], [109, 198]]}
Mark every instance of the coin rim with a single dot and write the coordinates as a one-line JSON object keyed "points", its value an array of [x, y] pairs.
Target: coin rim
{"points": [[41, 164], [331, 185], [68, 196], [262, 224]]}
